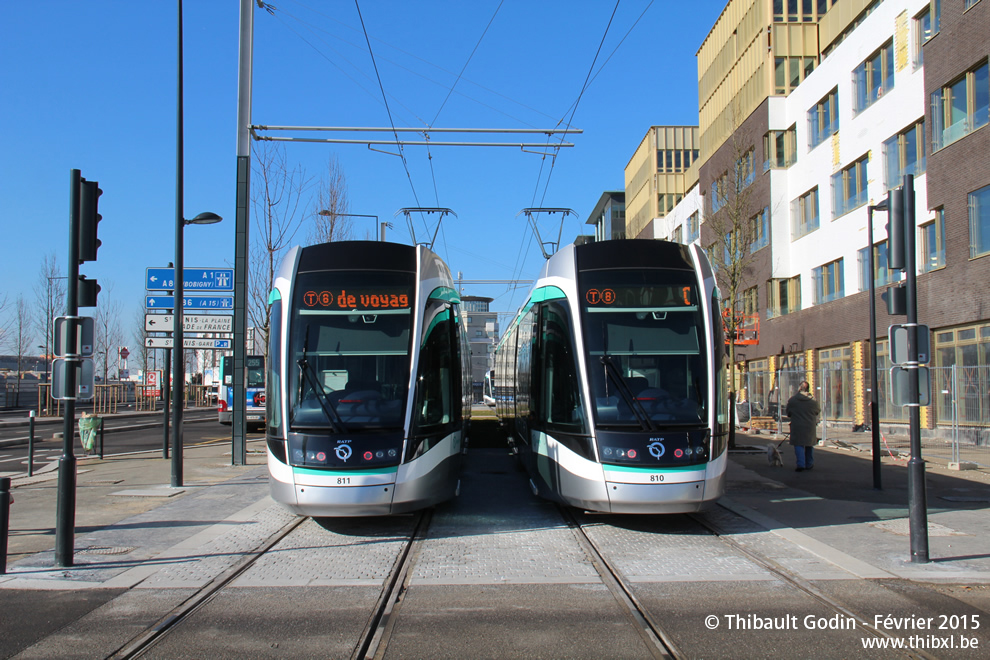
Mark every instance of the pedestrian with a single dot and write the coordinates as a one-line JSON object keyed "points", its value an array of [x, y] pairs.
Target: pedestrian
{"points": [[803, 411]]}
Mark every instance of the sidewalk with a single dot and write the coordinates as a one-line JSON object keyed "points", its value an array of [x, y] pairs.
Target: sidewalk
{"points": [[130, 525]]}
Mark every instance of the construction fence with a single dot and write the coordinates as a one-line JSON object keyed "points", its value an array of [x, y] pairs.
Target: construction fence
{"points": [[955, 425]]}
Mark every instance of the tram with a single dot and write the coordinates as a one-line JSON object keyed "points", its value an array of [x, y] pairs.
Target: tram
{"points": [[368, 355], [614, 379]]}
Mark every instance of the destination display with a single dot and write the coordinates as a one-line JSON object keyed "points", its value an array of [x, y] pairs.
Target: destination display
{"points": [[648, 296], [357, 299]]}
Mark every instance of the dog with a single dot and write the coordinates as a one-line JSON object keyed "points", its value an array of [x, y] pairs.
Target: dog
{"points": [[773, 455]]}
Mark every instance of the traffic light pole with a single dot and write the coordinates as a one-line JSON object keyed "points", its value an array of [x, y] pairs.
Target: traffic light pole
{"points": [[917, 496], [65, 503]]}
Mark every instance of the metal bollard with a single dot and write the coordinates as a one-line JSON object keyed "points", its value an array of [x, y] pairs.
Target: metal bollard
{"points": [[31, 444], [102, 420], [5, 501]]}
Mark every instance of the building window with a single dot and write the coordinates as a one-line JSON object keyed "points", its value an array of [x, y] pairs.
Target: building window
{"points": [[804, 215], [979, 222], [675, 160], [783, 296], [838, 401], [933, 243], [751, 301], [760, 229], [969, 3], [960, 107], [874, 77], [882, 275], [746, 169], [720, 192], [789, 72], [676, 236], [904, 154], [922, 33], [968, 350], [823, 118], [693, 227], [828, 282], [780, 149], [849, 188]]}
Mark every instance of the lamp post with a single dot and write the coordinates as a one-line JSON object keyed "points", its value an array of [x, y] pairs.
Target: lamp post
{"points": [[178, 368], [333, 214], [874, 412], [178, 364]]}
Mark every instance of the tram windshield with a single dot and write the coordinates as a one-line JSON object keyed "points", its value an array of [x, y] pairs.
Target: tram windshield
{"points": [[645, 341], [349, 350]]}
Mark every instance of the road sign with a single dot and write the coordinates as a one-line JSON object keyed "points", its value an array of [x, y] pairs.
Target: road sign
{"points": [[188, 342], [85, 379], [151, 383], [193, 279], [85, 333], [900, 383], [190, 302], [124, 352], [190, 322], [899, 344]]}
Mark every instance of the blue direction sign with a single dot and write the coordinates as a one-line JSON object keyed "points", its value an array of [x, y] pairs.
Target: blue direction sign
{"points": [[193, 279], [190, 302]]}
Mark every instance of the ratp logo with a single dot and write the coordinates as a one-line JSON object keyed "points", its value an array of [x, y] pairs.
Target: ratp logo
{"points": [[656, 448], [343, 452]]}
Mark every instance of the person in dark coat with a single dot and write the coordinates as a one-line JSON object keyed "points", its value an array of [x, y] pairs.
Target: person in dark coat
{"points": [[804, 411]]}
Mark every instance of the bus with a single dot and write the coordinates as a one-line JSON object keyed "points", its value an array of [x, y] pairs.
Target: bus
{"points": [[255, 389]]}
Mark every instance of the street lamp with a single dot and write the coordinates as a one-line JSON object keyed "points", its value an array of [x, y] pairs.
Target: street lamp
{"points": [[333, 214], [874, 412], [178, 364]]}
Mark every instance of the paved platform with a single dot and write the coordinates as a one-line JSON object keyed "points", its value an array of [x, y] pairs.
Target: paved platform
{"points": [[142, 547]]}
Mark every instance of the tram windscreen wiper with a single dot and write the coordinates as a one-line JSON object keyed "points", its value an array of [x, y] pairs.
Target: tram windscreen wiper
{"points": [[637, 408], [336, 422]]}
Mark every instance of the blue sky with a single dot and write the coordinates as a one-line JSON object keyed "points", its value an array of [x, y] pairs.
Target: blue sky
{"points": [[92, 86]]}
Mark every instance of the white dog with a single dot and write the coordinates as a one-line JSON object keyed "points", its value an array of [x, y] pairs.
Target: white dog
{"points": [[773, 455]]}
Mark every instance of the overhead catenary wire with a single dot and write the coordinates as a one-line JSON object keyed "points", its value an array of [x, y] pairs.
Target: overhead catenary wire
{"points": [[381, 86]]}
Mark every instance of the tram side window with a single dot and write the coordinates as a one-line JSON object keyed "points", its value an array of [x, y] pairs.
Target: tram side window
{"points": [[560, 408], [273, 398], [524, 370], [437, 401]]}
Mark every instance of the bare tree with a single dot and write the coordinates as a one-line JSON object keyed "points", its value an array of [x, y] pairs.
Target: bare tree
{"points": [[141, 351], [49, 295], [19, 341], [329, 221], [733, 226], [109, 334], [276, 197]]}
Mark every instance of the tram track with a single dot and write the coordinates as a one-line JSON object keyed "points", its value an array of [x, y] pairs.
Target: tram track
{"points": [[797, 582], [375, 638], [371, 643], [657, 641], [145, 640]]}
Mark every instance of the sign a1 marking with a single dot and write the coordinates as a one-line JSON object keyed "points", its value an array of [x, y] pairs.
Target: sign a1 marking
{"points": [[190, 302], [193, 279], [190, 322]]}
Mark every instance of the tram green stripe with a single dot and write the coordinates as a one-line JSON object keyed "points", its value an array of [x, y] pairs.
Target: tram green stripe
{"points": [[444, 293], [624, 468], [274, 295], [345, 473], [547, 293]]}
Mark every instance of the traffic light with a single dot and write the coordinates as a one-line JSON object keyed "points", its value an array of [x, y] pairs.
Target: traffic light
{"points": [[896, 251], [86, 291], [89, 218], [896, 299]]}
